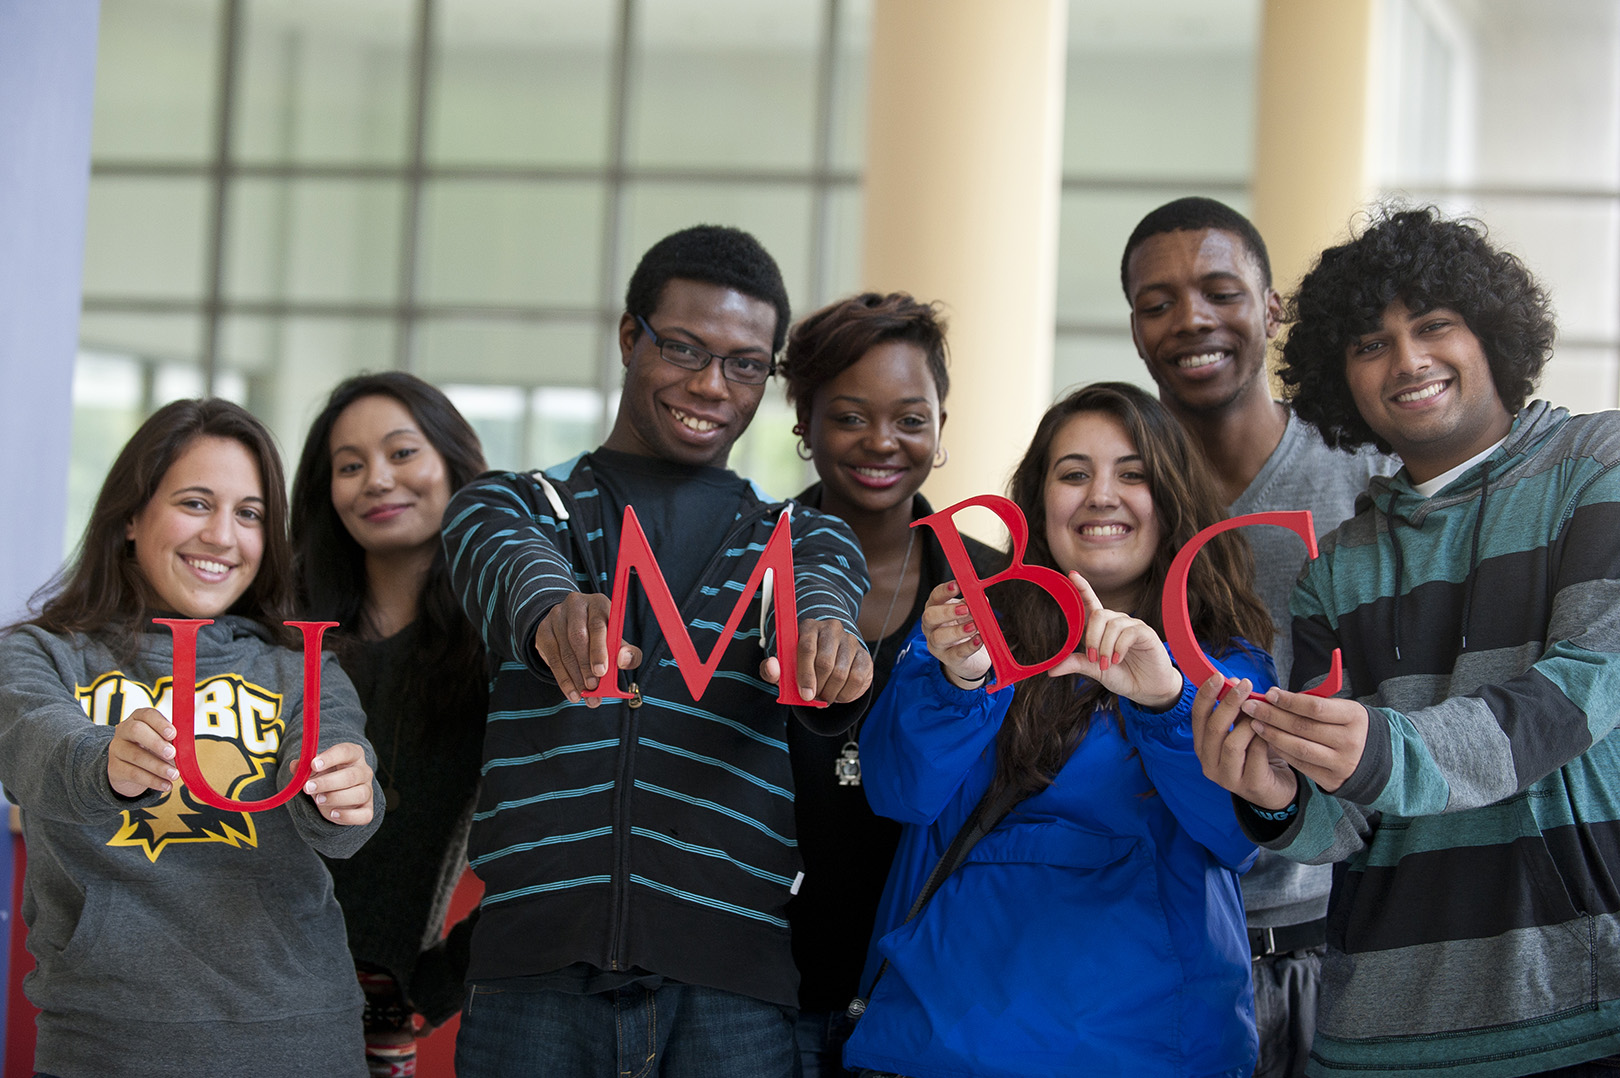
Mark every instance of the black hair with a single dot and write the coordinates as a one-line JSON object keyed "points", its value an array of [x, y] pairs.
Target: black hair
{"points": [[331, 573], [1195, 214], [1419, 257], [825, 344], [713, 254]]}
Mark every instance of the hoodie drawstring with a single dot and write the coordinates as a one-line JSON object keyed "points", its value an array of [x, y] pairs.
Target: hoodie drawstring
{"points": [[1395, 545], [1390, 521], [1473, 553]]}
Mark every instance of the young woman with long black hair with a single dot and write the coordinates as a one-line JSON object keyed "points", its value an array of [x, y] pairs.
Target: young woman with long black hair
{"points": [[379, 465]]}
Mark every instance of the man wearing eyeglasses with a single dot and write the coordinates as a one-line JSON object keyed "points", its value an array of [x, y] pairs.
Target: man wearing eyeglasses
{"points": [[638, 855]]}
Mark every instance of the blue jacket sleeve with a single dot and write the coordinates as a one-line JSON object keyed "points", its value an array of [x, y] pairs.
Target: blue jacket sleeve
{"points": [[923, 737], [1164, 740]]}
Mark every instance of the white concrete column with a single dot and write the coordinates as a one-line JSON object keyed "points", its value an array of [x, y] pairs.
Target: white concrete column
{"points": [[1311, 144], [963, 166]]}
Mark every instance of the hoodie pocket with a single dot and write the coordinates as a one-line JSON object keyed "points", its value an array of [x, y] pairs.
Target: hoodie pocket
{"points": [[225, 950]]}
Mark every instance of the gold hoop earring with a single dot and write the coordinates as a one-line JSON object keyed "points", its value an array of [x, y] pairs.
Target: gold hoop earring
{"points": [[942, 458]]}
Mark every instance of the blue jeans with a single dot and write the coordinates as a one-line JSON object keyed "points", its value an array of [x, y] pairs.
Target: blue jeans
{"points": [[820, 1036], [676, 1031]]}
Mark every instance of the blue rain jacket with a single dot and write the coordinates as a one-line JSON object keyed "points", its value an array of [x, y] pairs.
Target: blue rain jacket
{"points": [[1097, 930]]}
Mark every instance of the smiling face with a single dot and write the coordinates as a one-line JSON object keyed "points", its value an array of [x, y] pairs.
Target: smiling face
{"points": [[690, 417], [389, 484], [873, 430], [1422, 382], [1100, 520], [199, 540], [1201, 315]]}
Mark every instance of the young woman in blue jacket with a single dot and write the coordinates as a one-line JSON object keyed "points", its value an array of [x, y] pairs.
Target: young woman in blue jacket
{"points": [[1098, 928]]}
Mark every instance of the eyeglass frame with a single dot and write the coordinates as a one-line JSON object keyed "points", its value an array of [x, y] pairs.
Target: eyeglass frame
{"points": [[709, 357]]}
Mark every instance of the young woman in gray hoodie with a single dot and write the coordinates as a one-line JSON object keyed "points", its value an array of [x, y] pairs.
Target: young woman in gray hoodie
{"points": [[172, 937]]}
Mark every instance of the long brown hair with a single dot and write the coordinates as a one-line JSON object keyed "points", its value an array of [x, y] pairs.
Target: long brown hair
{"points": [[102, 588], [1049, 716], [331, 565]]}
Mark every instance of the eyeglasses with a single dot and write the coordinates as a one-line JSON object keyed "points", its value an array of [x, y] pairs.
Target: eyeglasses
{"points": [[741, 369]]}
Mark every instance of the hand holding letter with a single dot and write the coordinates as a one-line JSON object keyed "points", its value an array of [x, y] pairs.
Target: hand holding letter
{"points": [[140, 757], [1323, 737], [572, 642], [1121, 653], [1232, 754], [833, 663]]}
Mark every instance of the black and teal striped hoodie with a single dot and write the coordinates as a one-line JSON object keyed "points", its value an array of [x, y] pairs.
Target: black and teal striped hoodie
{"points": [[647, 836], [1474, 925]]}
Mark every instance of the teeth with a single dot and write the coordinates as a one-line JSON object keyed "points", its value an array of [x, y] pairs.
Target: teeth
{"points": [[692, 422], [1104, 529], [1203, 359], [875, 473], [209, 566], [1421, 394]]}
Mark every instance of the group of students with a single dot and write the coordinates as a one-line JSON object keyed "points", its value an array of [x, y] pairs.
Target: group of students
{"points": [[915, 876]]}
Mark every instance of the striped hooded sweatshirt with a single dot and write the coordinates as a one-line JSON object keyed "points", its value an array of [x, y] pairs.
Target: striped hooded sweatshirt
{"points": [[644, 837], [1473, 925]]}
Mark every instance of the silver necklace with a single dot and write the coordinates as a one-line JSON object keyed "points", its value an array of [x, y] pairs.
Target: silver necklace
{"points": [[847, 768]]}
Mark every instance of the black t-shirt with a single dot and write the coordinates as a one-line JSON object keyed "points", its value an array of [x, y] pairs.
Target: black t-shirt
{"points": [[686, 512], [846, 846]]}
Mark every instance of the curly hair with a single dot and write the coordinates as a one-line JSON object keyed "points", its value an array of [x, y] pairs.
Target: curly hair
{"points": [[833, 339], [1419, 257], [713, 254], [1049, 716]]}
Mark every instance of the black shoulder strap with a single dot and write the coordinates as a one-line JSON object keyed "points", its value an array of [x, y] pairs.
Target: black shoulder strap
{"points": [[992, 808]]}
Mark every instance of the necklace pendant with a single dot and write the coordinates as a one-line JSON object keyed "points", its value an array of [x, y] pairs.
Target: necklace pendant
{"points": [[390, 798], [847, 768]]}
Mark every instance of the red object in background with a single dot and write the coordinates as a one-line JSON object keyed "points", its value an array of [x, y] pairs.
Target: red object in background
{"points": [[19, 1012], [435, 1054]]}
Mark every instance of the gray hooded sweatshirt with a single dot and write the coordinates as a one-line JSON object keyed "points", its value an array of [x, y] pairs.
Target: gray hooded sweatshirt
{"points": [[173, 938]]}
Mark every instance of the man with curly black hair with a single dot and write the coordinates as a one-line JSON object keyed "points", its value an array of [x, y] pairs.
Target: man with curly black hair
{"points": [[1203, 310], [1465, 775]]}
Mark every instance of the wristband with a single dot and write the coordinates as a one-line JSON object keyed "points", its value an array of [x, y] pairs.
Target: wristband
{"points": [[974, 684], [1279, 815]]}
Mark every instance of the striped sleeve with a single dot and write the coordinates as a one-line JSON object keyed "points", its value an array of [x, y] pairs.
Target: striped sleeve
{"points": [[829, 569], [1517, 725], [830, 580], [1325, 829], [507, 566]]}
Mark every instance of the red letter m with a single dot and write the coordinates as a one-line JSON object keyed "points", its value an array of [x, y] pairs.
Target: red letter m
{"points": [[635, 553]]}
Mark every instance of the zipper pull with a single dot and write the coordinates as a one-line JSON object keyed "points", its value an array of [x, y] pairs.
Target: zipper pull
{"points": [[635, 695]]}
